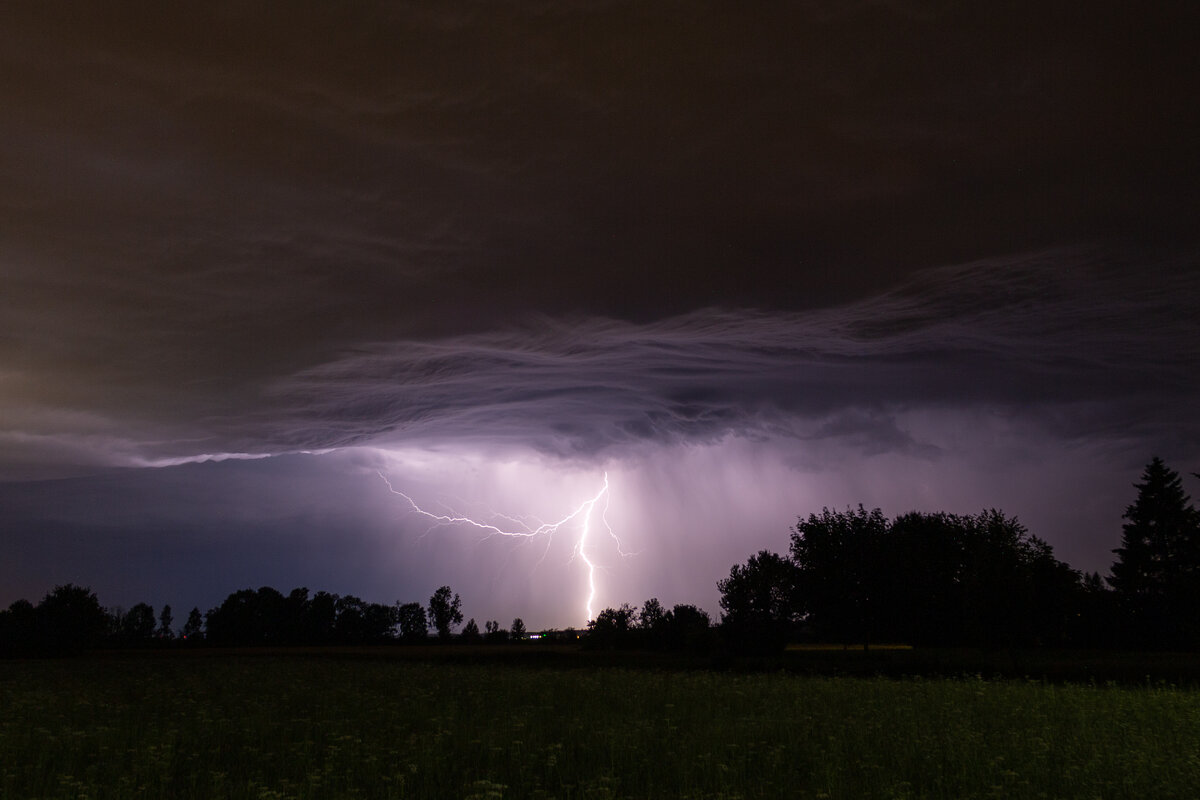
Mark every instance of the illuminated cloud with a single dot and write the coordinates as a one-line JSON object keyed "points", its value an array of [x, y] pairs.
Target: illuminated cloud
{"points": [[1061, 338]]}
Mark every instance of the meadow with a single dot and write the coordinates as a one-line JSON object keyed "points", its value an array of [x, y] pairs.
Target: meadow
{"points": [[326, 726]]}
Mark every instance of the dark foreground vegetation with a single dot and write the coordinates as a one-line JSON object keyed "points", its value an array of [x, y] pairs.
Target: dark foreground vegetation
{"points": [[931, 580], [189, 725]]}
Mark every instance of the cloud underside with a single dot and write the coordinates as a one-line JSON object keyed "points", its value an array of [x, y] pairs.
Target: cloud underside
{"points": [[1064, 337], [1076, 342]]}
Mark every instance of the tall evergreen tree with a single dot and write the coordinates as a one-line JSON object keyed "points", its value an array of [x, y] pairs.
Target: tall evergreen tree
{"points": [[193, 629], [1157, 572]]}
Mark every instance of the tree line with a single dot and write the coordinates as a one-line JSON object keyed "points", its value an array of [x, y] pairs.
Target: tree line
{"points": [[935, 579], [853, 577], [69, 619]]}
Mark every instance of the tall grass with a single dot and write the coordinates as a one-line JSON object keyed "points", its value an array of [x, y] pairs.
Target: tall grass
{"points": [[316, 727]]}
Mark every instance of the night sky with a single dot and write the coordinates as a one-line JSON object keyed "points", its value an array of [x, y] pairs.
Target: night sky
{"points": [[748, 263]]}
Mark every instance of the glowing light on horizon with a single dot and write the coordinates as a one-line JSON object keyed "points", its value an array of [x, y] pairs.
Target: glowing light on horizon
{"points": [[584, 510]]}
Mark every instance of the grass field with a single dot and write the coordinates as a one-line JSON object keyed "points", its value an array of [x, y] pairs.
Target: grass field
{"points": [[318, 726]]}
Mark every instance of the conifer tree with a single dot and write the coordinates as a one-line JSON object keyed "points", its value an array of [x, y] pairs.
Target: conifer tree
{"points": [[1157, 572], [194, 627]]}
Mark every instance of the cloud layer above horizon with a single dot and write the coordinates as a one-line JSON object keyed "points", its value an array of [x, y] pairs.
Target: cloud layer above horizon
{"points": [[1066, 338], [1076, 342]]}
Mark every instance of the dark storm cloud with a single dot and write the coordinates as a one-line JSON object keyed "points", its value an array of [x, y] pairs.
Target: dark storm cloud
{"points": [[1085, 346], [197, 200]]}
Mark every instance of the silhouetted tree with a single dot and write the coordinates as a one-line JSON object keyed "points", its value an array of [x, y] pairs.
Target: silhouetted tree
{"points": [[68, 620], [248, 617], [410, 617], [1055, 597], [470, 632], [494, 633], [380, 622], [444, 612], [758, 600], [1156, 575], [18, 629], [923, 590], [271, 614], [193, 629], [839, 571], [320, 618], [686, 627], [1096, 622], [114, 624], [652, 615], [138, 624], [165, 620], [1014, 591], [650, 626], [350, 624], [360, 622], [517, 631], [611, 628], [297, 619]]}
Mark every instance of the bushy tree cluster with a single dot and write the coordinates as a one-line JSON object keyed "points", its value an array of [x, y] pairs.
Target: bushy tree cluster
{"points": [[67, 620], [493, 633], [758, 601], [137, 627], [412, 622], [932, 579], [854, 576], [681, 628], [267, 617]]}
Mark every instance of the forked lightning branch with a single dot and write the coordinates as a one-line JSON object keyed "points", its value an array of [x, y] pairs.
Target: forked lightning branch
{"points": [[581, 519]]}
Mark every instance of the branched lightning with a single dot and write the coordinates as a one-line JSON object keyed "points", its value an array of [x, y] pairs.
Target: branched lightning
{"points": [[583, 511]]}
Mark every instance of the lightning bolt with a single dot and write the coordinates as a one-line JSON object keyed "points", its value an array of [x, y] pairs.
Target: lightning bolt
{"points": [[584, 511]]}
